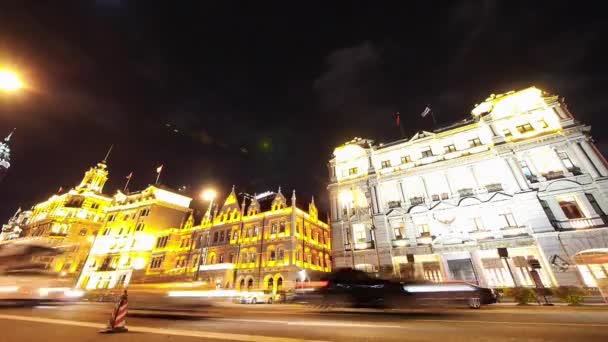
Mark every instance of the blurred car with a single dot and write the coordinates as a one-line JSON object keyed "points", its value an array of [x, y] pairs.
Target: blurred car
{"points": [[354, 288], [450, 293], [256, 297], [36, 285], [350, 288]]}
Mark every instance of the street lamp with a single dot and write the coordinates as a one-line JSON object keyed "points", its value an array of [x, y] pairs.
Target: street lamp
{"points": [[346, 198], [9, 81]]}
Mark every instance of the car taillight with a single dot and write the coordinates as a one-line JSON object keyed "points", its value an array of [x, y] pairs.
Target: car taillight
{"points": [[324, 283]]}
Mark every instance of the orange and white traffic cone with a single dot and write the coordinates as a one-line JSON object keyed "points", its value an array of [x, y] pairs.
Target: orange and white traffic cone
{"points": [[118, 321]]}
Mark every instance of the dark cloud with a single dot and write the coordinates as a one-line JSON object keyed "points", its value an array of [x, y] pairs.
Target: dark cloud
{"points": [[350, 76]]}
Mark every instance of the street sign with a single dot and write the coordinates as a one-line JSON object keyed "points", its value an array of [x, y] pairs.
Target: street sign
{"points": [[534, 263]]}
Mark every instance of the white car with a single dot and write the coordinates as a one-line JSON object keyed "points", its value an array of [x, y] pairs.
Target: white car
{"points": [[36, 285], [256, 298]]}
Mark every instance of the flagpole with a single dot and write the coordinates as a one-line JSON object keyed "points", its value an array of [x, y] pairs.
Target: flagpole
{"points": [[127, 183], [158, 176]]}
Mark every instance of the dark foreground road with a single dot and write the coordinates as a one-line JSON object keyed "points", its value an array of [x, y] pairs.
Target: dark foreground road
{"points": [[267, 323]]}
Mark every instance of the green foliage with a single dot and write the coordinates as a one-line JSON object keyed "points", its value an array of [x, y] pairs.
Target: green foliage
{"points": [[570, 294], [521, 295]]}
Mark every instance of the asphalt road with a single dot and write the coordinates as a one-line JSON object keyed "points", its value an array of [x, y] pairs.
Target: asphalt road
{"points": [[286, 323]]}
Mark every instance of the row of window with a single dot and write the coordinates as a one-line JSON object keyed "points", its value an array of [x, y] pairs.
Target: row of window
{"points": [[125, 217], [429, 153], [424, 229]]}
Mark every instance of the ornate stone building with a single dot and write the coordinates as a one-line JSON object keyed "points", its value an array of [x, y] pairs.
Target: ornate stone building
{"points": [[519, 174], [145, 236], [249, 247], [71, 220]]}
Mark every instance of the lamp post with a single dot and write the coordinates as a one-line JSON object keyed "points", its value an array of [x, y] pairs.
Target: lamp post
{"points": [[207, 195], [10, 81], [346, 197]]}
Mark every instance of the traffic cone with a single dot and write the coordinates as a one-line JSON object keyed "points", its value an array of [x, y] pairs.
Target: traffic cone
{"points": [[118, 320]]}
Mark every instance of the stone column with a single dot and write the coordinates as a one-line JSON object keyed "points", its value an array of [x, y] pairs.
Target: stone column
{"points": [[595, 159], [426, 190], [401, 191], [372, 198], [447, 180], [588, 165], [474, 174], [515, 170], [479, 270]]}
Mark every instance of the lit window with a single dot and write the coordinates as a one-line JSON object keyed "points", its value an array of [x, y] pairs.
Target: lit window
{"points": [[524, 128], [157, 262], [507, 133], [570, 208], [235, 235], [83, 232], [273, 229], [427, 153], [406, 159], [386, 163], [221, 258], [398, 233], [353, 171], [139, 227], [359, 233], [106, 232], [273, 255], [509, 219], [282, 227], [542, 123], [256, 231], [475, 142], [281, 254], [526, 169], [478, 223], [449, 149], [424, 229], [567, 161], [161, 242]]}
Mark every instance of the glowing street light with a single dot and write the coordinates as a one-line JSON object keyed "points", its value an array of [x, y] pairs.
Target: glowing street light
{"points": [[208, 195], [9, 81], [346, 197]]}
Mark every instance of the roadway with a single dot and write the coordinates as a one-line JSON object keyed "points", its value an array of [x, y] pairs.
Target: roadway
{"points": [[289, 323]]}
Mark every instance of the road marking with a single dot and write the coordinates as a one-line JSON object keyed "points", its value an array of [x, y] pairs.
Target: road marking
{"points": [[310, 323], [373, 325], [600, 325], [158, 331]]}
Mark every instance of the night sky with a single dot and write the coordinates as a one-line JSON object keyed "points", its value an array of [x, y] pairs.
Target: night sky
{"points": [[258, 93]]}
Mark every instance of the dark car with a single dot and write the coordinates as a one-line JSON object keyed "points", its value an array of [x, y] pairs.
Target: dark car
{"points": [[354, 288], [450, 293], [351, 288]]}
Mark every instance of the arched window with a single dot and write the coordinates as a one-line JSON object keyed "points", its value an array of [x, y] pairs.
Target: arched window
{"points": [[242, 284], [270, 283], [280, 254], [272, 255], [250, 283], [279, 283]]}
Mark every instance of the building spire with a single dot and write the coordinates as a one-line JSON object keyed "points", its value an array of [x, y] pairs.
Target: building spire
{"points": [[279, 189], [8, 137], [105, 160]]}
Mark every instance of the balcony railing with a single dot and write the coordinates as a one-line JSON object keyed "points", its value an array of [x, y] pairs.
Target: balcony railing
{"points": [[554, 175], [465, 192], [496, 187], [482, 234], [360, 245], [394, 204], [580, 223], [513, 231], [575, 170], [213, 267]]}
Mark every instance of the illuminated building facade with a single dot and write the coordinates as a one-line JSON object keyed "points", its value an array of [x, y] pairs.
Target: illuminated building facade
{"points": [[146, 236], [71, 220], [12, 230], [520, 174], [5, 156], [246, 247]]}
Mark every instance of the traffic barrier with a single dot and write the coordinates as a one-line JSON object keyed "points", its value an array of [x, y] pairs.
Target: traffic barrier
{"points": [[118, 320]]}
